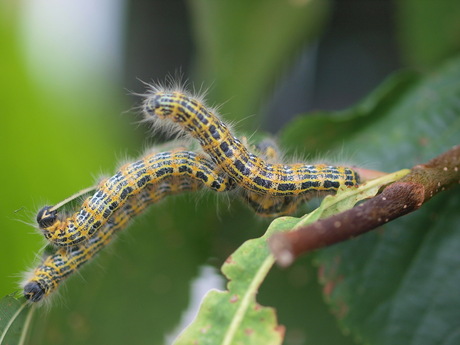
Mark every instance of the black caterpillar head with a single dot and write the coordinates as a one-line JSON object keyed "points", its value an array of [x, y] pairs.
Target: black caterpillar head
{"points": [[155, 105], [33, 292], [45, 217]]}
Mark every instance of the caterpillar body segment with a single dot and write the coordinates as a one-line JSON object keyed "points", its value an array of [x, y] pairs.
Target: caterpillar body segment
{"points": [[267, 205], [248, 170]]}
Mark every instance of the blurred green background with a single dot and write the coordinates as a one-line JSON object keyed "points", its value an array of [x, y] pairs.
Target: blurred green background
{"points": [[68, 74]]}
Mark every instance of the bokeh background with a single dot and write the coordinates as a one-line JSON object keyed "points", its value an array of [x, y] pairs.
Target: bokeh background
{"points": [[70, 72]]}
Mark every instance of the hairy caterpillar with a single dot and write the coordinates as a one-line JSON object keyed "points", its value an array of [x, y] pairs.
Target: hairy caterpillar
{"points": [[56, 267], [268, 188], [248, 170], [129, 180], [132, 178], [47, 277]]}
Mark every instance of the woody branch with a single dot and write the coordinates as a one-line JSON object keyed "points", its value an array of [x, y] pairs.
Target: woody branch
{"points": [[398, 199]]}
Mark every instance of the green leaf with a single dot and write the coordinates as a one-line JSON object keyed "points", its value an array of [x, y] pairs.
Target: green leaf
{"points": [[233, 316], [346, 197], [44, 155], [423, 44], [15, 317], [242, 44], [398, 285], [322, 131]]}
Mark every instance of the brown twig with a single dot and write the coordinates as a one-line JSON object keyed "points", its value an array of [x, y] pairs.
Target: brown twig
{"points": [[398, 199]]}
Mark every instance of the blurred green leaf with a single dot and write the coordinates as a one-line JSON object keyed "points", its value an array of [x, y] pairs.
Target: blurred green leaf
{"points": [[242, 44], [429, 31], [398, 286], [321, 131], [50, 149]]}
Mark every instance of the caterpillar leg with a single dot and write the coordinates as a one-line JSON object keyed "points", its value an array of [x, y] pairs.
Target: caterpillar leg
{"points": [[267, 205], [130, 180], [55, 268], [250, 171]]}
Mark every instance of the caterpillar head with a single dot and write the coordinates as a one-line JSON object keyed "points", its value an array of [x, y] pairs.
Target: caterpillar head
{"points": [[33, 291], [159, 105], [46, 217]]}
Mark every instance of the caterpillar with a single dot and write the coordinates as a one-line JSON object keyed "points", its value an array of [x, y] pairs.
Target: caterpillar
{"points": [[271, 189], [129, 180], [48, 276], [189, 115], [55, 268]]}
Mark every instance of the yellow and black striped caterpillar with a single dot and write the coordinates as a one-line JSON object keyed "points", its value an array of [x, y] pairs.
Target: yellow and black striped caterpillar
{"points": [[129, 180], [247, 169], [46, 278], [269, 189], [133, 177]]}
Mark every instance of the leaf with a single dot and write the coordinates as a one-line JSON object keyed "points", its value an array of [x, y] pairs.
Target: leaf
{"points": [[423, 44], [233, 316], [346, 197], [241, 45], [321, 131], [15, 317], [398, 285]]}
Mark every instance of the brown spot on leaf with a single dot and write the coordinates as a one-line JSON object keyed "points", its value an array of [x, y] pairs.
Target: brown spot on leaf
{"points": [[248, 331], [234, 299], [330, 285], [281, 330], [229, 260]]}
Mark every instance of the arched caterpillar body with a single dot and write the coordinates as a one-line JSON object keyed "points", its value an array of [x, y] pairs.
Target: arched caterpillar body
{"points": [[129, 180], [248, 170], [47, 277]]}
